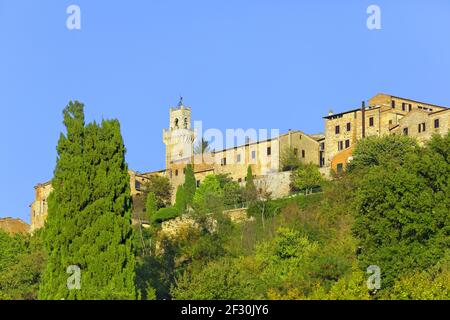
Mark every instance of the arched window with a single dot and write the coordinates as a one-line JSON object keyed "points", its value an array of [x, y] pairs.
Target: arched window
{"points": [[176, 123], [185, 123]]}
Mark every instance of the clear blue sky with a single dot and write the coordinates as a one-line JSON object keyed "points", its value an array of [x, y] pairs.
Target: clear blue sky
{"points": [[239, 64]]}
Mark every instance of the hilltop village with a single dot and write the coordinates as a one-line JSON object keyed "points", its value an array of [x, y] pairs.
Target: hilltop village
{"points": [[384, 114]]}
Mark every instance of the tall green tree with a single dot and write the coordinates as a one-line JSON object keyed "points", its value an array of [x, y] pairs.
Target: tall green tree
{"points": [[180, 199], [89, 220], [190, 185], [250, 192], [150, 205]]}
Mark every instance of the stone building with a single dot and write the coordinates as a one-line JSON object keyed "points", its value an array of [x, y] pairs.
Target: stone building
{"points": [[264, 156], [384, 115]]}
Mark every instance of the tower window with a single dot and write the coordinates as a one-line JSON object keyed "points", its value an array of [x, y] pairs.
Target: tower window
{"points": [[269, 151], [410, 107], [185, 123], [393, 104], [303, 153], [349, 126], [436, 123], [176, 123], [371, 122], [403, 106], [347, 144], [337, 129]]}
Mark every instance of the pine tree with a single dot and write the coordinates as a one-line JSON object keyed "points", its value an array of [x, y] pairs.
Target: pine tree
{"points": [[190, 185], [89, 220]]}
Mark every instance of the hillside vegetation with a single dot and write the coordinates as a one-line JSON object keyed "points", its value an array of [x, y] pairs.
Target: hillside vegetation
{"points": [[389, 212]]}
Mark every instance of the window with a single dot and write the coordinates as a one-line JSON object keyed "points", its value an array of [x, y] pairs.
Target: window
{"points": [[296, 151], [303, 153], [347, 144], [176, 172], [240, 180], [349, 126], [421, 127], [223, 162], [403, 106], [393, 104], [405, 131], [436, 123], [339, 168], [340, 145], [371, 122], [410, 107], [137, 185], [337, 129], [322, 146], [198, 183], [253, 154], [269, 151], [390, 122], [238, 158]]}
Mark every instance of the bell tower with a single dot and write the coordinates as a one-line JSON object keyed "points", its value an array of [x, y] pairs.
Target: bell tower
{"points": [[179, 138]]}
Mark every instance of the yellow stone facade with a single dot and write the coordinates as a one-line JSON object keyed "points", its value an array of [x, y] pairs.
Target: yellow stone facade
{"points": [[384, 114]]}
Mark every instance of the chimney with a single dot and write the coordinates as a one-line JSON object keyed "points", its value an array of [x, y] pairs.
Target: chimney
{"points": [[363, 120]]}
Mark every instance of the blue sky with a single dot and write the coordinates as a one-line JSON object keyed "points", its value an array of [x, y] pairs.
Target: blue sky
{"points": [[239, 64]]}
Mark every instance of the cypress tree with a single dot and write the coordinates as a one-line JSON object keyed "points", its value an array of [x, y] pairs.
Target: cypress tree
{"points": [[150, 205], [180, 199], [190, 185], [89, 219], [250, 188]]}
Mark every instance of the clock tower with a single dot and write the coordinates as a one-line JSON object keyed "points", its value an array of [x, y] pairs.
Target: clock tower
{"points": [[179, 138]]}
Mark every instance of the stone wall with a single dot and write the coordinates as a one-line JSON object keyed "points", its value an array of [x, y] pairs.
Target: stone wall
{"points": [[13, 226], [277, 184]]}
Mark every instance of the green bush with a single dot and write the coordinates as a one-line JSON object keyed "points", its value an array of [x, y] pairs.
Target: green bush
{"points": [[165, 214]]}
